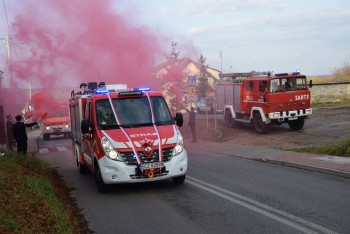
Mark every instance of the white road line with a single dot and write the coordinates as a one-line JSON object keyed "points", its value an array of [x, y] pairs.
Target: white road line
{"points": [[210, 188], [61, 148], [44, 150]]}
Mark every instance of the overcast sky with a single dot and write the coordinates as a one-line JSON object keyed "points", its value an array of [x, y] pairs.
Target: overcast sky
{"points": [[312, 36]]}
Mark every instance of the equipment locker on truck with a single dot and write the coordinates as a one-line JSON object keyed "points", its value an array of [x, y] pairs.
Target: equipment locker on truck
{"points": [[126, 136], [263, 99]]}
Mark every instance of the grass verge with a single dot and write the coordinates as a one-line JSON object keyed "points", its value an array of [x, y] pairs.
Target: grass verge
{"points": [[341, 148], [34, 199]]}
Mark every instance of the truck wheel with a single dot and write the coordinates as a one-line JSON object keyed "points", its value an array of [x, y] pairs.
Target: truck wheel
{"points": [[179, 179], [46, 137], [259, 125], [101, 186], [296, 124], [229, 120]]}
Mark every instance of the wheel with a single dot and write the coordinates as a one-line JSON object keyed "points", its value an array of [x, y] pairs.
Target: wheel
{"points": [[46, 137], [229, 120], [296, 124], [179, 179], [82, 168], [101, 186], [259, 125]]}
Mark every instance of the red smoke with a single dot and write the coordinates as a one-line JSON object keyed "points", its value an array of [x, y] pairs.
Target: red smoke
{"points": [[69, 42]]}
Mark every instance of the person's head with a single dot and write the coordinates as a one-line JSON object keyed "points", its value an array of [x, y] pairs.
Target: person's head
{"points": [[18, 118]]}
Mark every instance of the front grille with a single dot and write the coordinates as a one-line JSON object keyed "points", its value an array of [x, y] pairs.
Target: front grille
{"points": [[130, 159]]}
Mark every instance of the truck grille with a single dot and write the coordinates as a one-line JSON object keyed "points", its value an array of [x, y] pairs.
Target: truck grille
{"points": [[130, 159]]}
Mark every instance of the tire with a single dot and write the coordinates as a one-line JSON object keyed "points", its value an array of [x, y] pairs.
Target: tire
{"points": [[259, 125], [101, 186], [81, 168], [296, 124], [179, 179], [46, 137], [229, 120]]}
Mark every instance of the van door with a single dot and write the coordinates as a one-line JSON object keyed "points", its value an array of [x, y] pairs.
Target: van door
{"points": [[87, 141]]}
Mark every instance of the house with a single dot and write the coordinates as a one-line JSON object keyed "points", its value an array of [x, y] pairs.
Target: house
{"points": [[180, 80]]}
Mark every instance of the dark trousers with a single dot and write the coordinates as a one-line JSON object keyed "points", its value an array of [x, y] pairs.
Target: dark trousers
{"points": [[10, 144], [193, 131], [22, 147]]}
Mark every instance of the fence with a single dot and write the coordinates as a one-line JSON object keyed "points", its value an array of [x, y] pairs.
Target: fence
{"points": [[330, 92]]}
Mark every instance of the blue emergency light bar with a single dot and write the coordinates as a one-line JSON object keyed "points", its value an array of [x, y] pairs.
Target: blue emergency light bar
{"points": [[142, 89], [288, 74]]}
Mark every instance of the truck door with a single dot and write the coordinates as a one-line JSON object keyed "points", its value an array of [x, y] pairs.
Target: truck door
{"points": [[87, 141]]}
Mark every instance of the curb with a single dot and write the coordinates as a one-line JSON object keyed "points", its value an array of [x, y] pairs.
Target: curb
{"points": [[307, 167]]}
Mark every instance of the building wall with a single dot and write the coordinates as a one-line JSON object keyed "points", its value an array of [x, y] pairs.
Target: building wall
{"points": [[330, 92]]}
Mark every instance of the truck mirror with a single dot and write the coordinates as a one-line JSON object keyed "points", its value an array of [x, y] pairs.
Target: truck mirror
{"points": [[310, 84], [179, 119], [86, 126]]}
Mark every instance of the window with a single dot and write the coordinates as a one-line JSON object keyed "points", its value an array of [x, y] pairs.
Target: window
{"points": [[262, 85], [250, 85]]}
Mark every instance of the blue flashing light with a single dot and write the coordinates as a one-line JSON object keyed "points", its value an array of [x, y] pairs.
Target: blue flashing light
{"points": [[142, 89], [296, 73], [102, 91], [281, 74]]}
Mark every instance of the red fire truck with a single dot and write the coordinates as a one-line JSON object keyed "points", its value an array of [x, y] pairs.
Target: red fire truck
{"points": [[126, 136], [263, 99]]}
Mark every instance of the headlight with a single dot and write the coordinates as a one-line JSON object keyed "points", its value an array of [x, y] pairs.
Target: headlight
{"points": [[109, 150], [47, 127], [67, 126], [275, 115], [308, 111], [179, 146]]}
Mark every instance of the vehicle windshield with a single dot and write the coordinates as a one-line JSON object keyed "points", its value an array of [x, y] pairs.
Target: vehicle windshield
{"points": [[132, 112], [58, 112], [287, 84]]}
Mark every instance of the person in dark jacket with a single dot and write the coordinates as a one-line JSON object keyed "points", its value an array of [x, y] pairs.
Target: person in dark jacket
{"points": [[20, 134], [192, 124], [9, 126]]}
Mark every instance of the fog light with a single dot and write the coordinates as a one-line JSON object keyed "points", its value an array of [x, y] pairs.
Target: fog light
{"points": [[114, 177]]}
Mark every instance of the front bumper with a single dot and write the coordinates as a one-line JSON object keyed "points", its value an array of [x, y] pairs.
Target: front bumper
{"points": [[289, 114], [56, 129], [114, 172]]}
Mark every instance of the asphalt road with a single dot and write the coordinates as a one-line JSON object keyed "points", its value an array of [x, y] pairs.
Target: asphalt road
{"points": [[222, 194]]}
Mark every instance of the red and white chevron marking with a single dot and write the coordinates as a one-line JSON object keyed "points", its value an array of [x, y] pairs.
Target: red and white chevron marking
{"points": [[56, 149]]}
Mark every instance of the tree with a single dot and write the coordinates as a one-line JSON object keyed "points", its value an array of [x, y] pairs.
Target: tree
{"points": [[174, 55], [203, 78], [342, 73]]}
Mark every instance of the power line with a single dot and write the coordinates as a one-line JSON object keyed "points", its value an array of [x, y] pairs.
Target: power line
{"points": [[7, 21]]}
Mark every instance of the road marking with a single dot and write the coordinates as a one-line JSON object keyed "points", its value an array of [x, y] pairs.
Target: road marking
{"points": [[233, 197], [55, 149]]}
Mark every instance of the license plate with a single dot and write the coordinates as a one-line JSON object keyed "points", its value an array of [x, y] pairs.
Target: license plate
{"points": [[293, 118], [153, 165]]}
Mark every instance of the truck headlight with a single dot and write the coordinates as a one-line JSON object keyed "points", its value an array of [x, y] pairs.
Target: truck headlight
{"points": [[109, 150], [308, 111], [47, 128], [179, 146], [275, 115]]}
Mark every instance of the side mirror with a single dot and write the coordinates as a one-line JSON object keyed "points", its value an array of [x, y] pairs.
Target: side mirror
{"points": [[310, 84], [86, 126], [179, 119]]}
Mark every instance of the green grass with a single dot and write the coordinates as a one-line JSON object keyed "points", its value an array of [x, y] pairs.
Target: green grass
{"points": [[343, 102], [341, 148], [34, 199]]}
